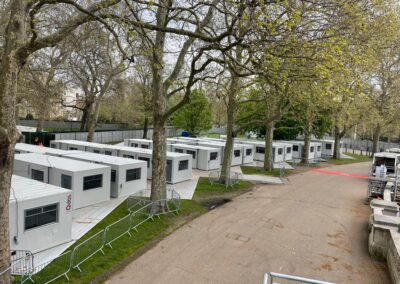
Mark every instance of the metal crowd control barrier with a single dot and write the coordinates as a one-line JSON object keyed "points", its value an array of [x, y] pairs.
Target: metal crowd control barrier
{"points": [[87, 249], [55, 269], [269, 278], [232, 179], [117, 229], [140, 211]]}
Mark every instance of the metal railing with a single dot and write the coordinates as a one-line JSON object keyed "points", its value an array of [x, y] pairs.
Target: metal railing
{"points": [[215, 177], [50, 271], [140, 210], [269, 278]]}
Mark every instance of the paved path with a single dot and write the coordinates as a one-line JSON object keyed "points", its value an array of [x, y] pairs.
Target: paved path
{"points": [[315, 226]]}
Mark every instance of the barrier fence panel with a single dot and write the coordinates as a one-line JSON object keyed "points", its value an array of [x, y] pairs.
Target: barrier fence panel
{"points": [[269, 278], [87, 249], [134, 203], [50, 271], [117, 230], [141, 215]]}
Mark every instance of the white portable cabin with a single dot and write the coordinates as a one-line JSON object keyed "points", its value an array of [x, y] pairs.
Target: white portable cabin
{"points": [[88, 182], [127, 176], [328, 147], [203, 158], [389, 160], [139, 143], [69, 145], [314, 152], [287, 150], [248, 153], [22, 148], [237, 152], [178, 167], [259, 150], [40, 215], [393, 150]]}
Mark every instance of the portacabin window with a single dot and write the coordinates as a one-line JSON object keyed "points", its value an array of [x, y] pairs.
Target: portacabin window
{"points": [[133, 174], [145, 146], [109, 153], [280, 151], [260, 150], [183, 165], [135, 145], [312, 149], [213, 156], [328, 146], [40, 216], [66, 181], [248, 152], [113, 175], [193, 153], [96, 151], [288, 150], [73, 148], [318, 148], [94, 181], [236, 153], [145, 159], [295, 148], [178, 150], [37, 175]]}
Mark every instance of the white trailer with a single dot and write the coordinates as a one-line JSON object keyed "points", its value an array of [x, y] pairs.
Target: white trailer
{"points": [[287, 150], [248, 153], [139, 143], [127, 176], [237, 152], [89, 182], [40, 215], [328, 147], [314, 151], [259, 150], [203, 158], [178, 167]]}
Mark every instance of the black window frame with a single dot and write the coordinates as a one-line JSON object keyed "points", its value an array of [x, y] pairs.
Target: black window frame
{"points": [[328, 148], [144, 146], [107, 152], [133, 174], [191, 152], [318, 148], [176, 150], [311, 149], [73, 149], [280, 151], [35, 213], [66, 177], [113, 177], [260, 150], [235, 153], [295, 148], [96, 151], [146, 160], [249, 152], [94, 181], [183, 165], [288, 150], [35, 172], [213, 156]]}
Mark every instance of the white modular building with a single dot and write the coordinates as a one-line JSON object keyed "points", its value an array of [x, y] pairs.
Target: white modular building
{"points": [[314, 151], [139, 143], [40, 215], [127, 176], [237, 152], [287, 150], [248, 153], [328, 147], [89, 183], [278, 154], [203, 158], [178, 167]]}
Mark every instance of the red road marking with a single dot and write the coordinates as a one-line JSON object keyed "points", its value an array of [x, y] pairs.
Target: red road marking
{"points": [[339, 173]]}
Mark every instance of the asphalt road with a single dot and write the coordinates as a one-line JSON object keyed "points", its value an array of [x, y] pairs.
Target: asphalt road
{"points": [[315, 226]]}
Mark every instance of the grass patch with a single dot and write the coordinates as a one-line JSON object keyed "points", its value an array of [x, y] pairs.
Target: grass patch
{"points": [[213, 135], [260, 171], [124, 249], [205, 190], [357, 159]]}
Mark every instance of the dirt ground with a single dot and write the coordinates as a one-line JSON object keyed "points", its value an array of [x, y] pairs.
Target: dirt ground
{"points": [[315, 226]]}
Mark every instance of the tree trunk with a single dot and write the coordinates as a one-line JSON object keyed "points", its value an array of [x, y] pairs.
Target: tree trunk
{"points": [[268, 155], [336, 146], [376, 136], [92, 120], [145, 127], [228, 150], [307, 140], [39, 124], [10, 65], [84, 119]]}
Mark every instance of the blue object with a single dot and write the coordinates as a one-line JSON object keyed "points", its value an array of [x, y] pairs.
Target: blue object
{"points": [[185, 134]]}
